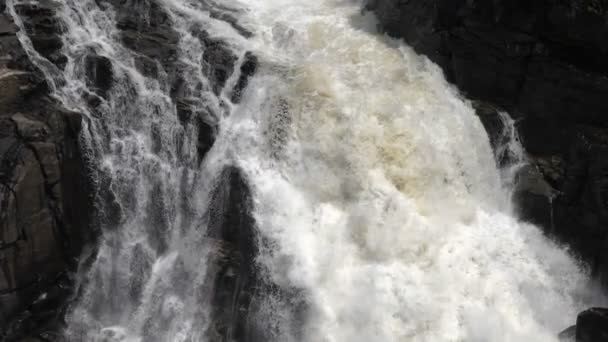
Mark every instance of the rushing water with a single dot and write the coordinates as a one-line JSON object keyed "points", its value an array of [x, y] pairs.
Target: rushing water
{"points": [[375, 188]]}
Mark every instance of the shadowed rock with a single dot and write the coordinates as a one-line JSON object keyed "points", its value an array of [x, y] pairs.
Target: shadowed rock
{"points": [[233, 272], [592, 326], [45, 192]]}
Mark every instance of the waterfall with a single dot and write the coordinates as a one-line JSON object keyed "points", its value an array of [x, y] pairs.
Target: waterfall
{"points": [[379, 209]]}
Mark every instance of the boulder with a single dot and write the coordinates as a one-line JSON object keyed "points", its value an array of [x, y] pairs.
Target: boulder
{"points": [[568, 335], [592, 326]]}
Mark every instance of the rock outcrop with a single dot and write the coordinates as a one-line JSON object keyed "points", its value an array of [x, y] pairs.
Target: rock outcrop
{"points": [[51, 209], [45, 193]]}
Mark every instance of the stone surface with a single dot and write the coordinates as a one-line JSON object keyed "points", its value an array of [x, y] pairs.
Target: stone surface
{"points": [[48, 217], [546, 63], [568, 335], [45, 193], [592, 326]]}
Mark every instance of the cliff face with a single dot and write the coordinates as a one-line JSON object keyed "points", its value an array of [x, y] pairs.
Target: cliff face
{"points": [[45, 194], [51, 210], [546, 63]]}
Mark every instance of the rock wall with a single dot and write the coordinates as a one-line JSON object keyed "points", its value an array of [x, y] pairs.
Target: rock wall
{"points": [[546, 63], [45, 194]]}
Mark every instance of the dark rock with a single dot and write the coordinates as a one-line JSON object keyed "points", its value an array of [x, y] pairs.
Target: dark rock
{"points": [[43, 29], [14, 85], [99, 74], [218, 63], [206, 138], [248, 68], [568, 335], [45, 192], [234, 272], [30, 130], [147, 30], [592, 326]]}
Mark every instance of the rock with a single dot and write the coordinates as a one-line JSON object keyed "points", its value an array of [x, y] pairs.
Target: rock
{"points": [[99, 74], [233, 272], [218, 63], [206, 138], [14, 84], [534, 197], [7, 27], [43, 29], [30, 130], [45, 190], [248, 68], [592, 326], [568, 335]]}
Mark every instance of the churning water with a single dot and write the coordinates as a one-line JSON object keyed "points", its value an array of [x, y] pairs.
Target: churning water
{"points": [[375, 188]]}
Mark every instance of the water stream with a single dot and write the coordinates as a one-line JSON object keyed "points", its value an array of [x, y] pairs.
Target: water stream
{"points": [[377, 199]]}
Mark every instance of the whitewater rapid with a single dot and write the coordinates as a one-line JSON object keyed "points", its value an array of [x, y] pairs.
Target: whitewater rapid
{"points": [[377, 200], [385, 206]]}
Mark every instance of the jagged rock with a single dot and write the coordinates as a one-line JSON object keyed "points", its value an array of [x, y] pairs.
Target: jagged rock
{"points": [[592, 326], [218, 62], [568, 335], [206, 138], [44, 180], [99, 74], [534, 197], [234, 276], [248, 68], [43, 29], [45, 192]]}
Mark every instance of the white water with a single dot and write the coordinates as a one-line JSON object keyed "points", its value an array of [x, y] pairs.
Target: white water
{"points": [[374, 183]]}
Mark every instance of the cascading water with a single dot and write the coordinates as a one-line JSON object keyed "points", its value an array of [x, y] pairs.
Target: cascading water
{"points": [[380, 211]]}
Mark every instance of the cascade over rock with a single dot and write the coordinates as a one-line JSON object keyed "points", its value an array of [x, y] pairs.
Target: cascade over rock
{"points": [[546, 63], [203, 170], [46, 196]]}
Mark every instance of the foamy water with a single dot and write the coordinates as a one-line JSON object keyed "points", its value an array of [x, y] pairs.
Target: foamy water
{"points": [[376, 192]]}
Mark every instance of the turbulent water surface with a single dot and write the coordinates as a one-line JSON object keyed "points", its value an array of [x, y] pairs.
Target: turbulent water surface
{"points": [[375, 190]]}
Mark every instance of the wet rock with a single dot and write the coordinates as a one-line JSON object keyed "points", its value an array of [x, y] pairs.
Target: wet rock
{"points": [[534, 197], [14, 85], [43, 28], [206, 138], [30, 130], [99, 74], [218, 63], [45, 193], [147, 30], [248, 68], [233, 264], [568, 335], [592, 326]]}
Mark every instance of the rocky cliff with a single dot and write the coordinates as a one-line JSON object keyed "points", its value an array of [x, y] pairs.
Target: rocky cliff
{"points": [[45, 193], [545, 62]]}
